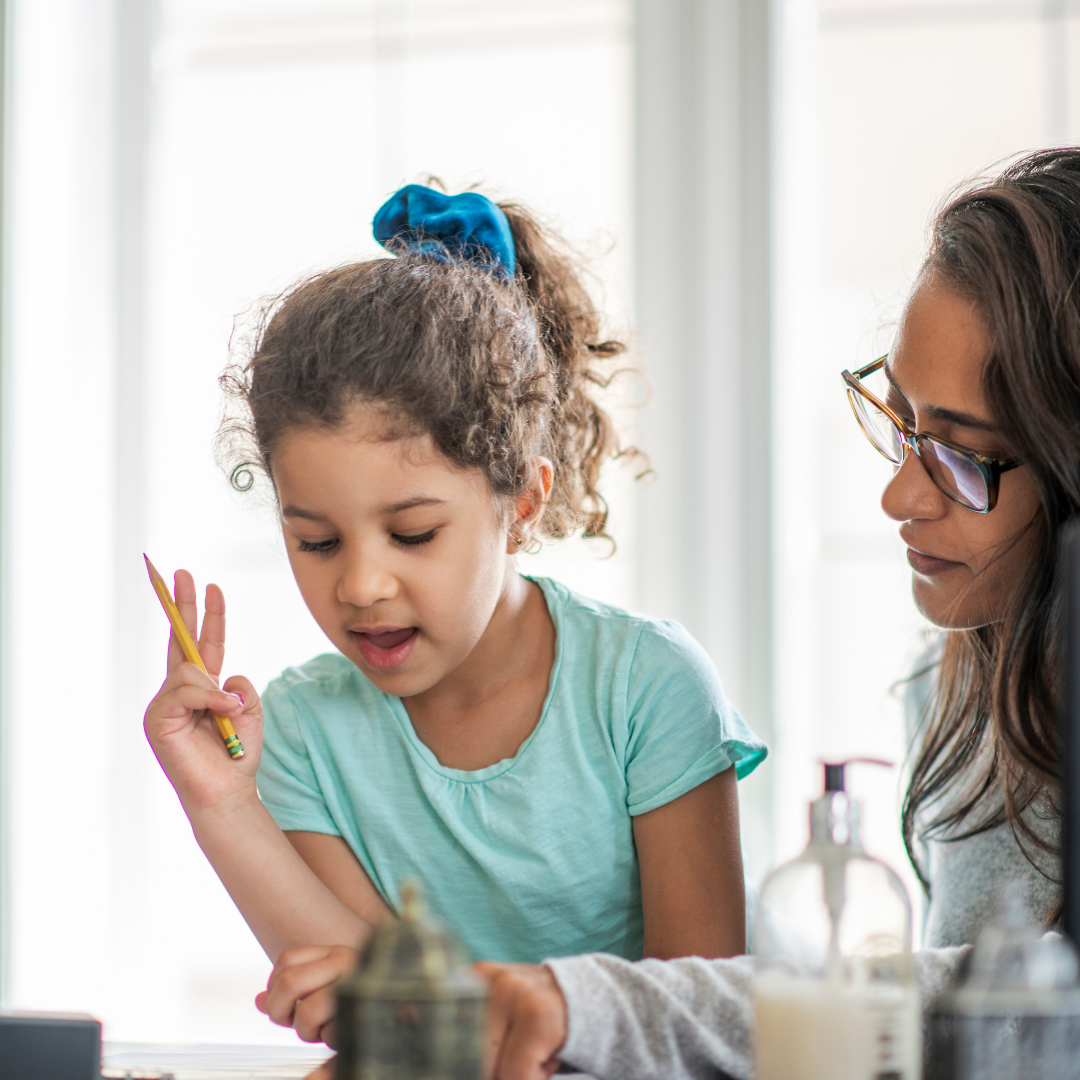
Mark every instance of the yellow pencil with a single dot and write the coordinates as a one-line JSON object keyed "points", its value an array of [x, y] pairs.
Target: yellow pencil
{"points": [[228, 732]]}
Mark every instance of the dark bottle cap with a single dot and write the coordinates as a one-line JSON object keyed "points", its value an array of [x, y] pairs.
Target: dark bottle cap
{"points": [[834, 772]]}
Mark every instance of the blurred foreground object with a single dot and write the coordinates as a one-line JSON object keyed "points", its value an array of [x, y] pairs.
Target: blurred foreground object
{"points": [[1016, 1011], [412, 1009], [834, 995], [49, 1046]]}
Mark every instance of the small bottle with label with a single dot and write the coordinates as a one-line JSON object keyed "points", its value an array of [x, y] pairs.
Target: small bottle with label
{"points": [[835, 995]]}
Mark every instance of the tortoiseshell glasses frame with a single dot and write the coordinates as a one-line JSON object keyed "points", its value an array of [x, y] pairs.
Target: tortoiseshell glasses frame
{"points": [[965, 476]]}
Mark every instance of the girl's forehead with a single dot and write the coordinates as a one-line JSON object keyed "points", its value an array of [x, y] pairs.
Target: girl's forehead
{"points": [[364, 460]]}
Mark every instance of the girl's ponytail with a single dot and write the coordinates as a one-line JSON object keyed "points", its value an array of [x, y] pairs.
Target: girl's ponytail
{"points": [[582, 435]]}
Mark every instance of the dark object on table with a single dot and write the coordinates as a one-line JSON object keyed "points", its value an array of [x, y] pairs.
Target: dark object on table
{"points": [[1016, 1010], [411, 1010], [49, 1046]]}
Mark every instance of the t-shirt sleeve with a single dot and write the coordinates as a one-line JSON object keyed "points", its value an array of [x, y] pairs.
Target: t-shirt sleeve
{"points": [[682, 730], [286, 779]]}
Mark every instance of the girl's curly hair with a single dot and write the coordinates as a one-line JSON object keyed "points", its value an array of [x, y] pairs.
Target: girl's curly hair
{"points": [[495, 371]]}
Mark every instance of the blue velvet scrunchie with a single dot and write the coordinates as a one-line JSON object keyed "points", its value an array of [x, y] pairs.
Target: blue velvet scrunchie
{"points": [[469, 226]]}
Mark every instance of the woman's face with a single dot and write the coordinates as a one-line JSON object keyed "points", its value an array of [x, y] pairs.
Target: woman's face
{"points": [[963, 563]]}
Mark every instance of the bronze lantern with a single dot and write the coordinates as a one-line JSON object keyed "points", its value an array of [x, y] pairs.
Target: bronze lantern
{"points": [[412, 1010]]}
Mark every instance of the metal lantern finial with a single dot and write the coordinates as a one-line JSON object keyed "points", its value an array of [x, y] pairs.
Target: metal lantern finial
{"points": [[412, 1010]]}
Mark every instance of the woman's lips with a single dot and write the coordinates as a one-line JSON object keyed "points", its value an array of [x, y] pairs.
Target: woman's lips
{"points": [[386, 648], [928, 565]]}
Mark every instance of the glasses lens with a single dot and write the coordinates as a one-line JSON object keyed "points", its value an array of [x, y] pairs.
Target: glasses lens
{"points": [[877, 427], [957, 475]]}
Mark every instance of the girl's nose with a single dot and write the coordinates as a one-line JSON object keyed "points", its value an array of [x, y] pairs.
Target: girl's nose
{"points": [[365, 581], [911, 494]]}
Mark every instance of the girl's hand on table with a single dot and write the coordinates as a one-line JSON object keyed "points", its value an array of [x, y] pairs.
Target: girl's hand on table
{"points": [[526, 1024], [300, 991], [179, 724]]}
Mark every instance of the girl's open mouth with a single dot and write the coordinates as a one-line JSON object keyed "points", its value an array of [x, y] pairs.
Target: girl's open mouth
{"points": [[387, 648]]}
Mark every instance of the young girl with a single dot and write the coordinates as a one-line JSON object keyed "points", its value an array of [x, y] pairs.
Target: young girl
{"points": [[978, 407], [560, 774]]}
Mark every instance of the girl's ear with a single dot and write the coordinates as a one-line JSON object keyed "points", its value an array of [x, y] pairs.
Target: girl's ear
{"points": [[529, 505]]}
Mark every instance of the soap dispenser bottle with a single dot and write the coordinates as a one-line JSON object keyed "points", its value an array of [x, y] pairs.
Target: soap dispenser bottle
{"points": [[834, 990]]}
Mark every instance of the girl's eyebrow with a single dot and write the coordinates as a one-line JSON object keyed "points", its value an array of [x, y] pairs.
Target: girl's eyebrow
{"points": [[950, 416], [409, 504], [291, 511]]}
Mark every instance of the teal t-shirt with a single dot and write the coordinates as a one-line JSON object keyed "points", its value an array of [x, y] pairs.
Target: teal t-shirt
{"points": [[533, 856]]}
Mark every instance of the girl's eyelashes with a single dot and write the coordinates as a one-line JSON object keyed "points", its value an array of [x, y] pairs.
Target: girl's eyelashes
{"points": [[318, 547], [327, 547], [415, 540]]}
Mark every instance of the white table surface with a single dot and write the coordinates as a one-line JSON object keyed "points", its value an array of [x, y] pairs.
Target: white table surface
{"points": [[216, 1061], [224, 1062]]}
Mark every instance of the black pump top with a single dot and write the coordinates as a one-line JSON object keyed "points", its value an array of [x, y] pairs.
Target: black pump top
{"points": [[834, 773], [834, 777]]}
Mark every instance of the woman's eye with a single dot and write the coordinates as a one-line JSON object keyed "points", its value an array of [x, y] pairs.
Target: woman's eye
{"points": [[413, 541], [318, 547]]}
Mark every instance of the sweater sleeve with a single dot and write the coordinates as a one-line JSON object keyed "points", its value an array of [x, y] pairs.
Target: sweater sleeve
{"points": [[687, 1019]]}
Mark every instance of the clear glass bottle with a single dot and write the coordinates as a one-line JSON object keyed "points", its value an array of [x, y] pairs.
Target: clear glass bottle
{"points": [[834, 994], [1016, 1011]]}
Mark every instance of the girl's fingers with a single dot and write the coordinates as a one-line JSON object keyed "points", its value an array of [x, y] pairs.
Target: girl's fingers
{"points": [[292, 982], [186, 604], [248, 721], [314, 1013], [188, 689], [238, 684], [212, 638], [187, 600], [193, 699]]}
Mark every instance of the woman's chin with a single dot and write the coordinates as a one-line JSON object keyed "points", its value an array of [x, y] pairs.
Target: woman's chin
{"points": [[948, 609]]}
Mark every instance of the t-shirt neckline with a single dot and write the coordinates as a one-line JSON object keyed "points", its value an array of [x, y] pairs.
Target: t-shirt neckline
{"points": [[554, 598]]}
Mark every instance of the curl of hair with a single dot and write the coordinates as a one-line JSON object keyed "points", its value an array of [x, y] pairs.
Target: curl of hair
{"points": [[992, 747], [496, 372]]}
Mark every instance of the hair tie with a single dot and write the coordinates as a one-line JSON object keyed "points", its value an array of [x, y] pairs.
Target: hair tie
{"points": [[468, 226]]}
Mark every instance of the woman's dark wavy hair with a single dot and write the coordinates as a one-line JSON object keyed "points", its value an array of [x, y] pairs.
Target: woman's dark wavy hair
{"points": [[495, 371], [992, 747]]}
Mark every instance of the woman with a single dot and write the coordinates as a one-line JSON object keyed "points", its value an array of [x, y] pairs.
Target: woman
{"points": [[983, 385]]}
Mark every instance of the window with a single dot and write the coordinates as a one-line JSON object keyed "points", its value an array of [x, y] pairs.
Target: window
{"points": [[270, 135]]}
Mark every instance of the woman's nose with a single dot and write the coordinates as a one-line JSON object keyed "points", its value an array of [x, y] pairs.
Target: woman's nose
{"points": [[365, 580], [911, 493]]}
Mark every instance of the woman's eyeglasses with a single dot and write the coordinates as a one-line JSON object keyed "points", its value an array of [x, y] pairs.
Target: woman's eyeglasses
{"points": [[965, 476]]}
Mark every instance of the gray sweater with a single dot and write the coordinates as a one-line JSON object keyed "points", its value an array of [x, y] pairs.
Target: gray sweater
{"points": [[692, 1018]]}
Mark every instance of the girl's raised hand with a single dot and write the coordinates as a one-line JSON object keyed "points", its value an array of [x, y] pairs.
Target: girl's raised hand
{"points": [[179, 722]]}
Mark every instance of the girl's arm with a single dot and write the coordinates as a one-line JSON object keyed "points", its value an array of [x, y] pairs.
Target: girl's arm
{"points": [[692, 890], [281, 898], [337, 867]]}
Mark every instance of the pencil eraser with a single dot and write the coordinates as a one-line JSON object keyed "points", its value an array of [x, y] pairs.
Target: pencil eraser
{"points": [[49, 1046]]}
